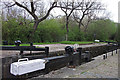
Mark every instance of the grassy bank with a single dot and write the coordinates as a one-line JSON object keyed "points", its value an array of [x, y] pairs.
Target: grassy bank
{"points": [[76, 42], [63, 42]]}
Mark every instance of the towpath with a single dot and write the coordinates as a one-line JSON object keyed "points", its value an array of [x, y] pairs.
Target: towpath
{"points": [[98, 68]]}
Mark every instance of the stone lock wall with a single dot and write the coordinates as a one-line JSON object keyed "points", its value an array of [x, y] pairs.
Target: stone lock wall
{"points": [[55, 62]]}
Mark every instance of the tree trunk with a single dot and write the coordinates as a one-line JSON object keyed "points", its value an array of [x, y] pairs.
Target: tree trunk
{"points": [[66, 37], [80, 22], [34, 27], [67, 22], [79, 26]]}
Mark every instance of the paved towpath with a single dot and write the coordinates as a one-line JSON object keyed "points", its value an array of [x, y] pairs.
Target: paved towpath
{"points": [[97, 68]]}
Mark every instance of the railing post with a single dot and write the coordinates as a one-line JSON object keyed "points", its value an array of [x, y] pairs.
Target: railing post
{"points": [[47, 51], [80, 52], [112, 53], [21, 52], [116, 50], [104, 57], [31, 44]]}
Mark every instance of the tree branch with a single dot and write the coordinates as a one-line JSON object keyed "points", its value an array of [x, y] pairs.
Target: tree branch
{"points": [[10, 5], [20, 5], [32, 6], [53, 6]]}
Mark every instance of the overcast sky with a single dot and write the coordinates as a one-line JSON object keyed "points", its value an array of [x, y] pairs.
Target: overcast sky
{"points": [[112, 6]]}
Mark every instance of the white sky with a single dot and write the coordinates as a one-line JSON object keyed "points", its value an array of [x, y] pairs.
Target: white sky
{"points": [[112, 8]]}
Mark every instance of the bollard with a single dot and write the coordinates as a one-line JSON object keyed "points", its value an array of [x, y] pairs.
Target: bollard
{"points": [[112, 53], [17, 43], [47, 51], [21, 52], [116, 51], [30, 52], [70, 50], [104, 57], [31, 44]]}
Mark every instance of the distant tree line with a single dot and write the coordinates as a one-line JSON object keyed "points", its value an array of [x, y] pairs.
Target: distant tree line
{"points": [[31, 21], [39, 12], [53, 30], [118, 33]]}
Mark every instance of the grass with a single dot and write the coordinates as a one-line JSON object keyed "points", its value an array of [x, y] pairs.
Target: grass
{"points": [[46, 43], [22, 45], [66, 42], [111, 40], [15, 45], [76, 42], [7, 45], [83, 72], [62, 42]]}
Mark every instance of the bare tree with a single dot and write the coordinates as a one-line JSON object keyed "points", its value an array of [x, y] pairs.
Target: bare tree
{"points": [[14, 12], [68, 7], [90, 17], [103, 15], [87, 9], [33, 8], [6, 8]]}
